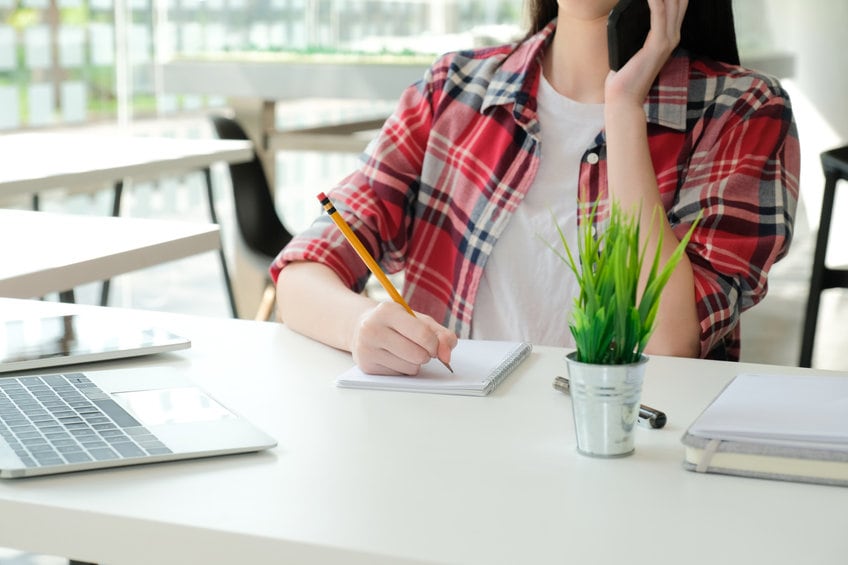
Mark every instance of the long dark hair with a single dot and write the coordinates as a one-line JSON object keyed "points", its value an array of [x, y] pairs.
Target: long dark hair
{"points": [[707, 31]]}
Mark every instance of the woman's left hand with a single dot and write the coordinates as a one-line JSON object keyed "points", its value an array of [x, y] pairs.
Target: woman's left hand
{"points": [[632, 179], [633, 81]]}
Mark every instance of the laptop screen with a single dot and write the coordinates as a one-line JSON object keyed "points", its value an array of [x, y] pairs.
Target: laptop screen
{"points": [[59, 340]]}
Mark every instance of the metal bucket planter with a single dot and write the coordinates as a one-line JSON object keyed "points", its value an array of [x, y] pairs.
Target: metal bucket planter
{"points": [[605, 401]]}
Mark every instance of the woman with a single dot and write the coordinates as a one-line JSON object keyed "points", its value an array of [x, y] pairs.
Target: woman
{"points": [[458, 189]]}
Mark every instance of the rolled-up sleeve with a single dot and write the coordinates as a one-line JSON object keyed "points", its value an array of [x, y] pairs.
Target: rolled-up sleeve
{"points": [[743, 174], [372, 199]]}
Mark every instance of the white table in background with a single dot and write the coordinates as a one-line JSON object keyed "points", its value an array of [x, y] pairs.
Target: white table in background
{"points": [[36, 162], [370, 477], [254, 82], [44, 252]]}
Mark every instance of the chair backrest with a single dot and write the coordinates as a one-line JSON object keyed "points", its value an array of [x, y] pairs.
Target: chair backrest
{"points": [[256, 216]]}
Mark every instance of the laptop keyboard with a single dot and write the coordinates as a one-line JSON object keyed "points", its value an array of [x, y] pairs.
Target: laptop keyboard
{"points": [[57, 419]]}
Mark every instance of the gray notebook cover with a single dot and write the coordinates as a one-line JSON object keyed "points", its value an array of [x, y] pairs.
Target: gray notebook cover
{"points": [[769, 456], [784, 427]]}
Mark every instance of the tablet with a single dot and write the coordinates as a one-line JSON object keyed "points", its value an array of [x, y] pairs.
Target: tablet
{"points": [[37, 342]]}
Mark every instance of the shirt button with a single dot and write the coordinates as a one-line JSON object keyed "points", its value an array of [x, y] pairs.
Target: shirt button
{"points": [[592, 158]]}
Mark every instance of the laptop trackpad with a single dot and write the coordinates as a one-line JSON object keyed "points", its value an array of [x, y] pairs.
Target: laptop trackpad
{"points": [[179, 405]]}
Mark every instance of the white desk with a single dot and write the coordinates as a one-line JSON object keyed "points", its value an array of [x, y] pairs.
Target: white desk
{"points": [[282, 76], [44, 253], [36, 162], [254, 82], [368, 477]]}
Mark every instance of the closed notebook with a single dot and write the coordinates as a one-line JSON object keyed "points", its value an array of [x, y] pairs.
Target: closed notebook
{"points": [[785, 427], [479, 367]]}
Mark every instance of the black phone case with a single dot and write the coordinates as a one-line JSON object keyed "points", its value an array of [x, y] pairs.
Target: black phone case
{"points": [[627, 27]]}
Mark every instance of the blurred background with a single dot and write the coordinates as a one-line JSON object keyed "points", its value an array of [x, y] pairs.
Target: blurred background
{"points": [[132, 65], [161, 67]]}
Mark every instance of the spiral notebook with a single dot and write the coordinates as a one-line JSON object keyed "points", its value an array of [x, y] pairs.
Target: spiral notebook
{"points": [[479, 366]]}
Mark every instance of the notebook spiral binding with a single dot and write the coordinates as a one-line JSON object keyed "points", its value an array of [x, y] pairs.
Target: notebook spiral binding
{"points": [[509, 364]]}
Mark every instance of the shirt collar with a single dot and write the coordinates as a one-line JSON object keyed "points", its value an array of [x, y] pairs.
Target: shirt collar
{"points": [[517, 82], [669, 96], [517, 79]]}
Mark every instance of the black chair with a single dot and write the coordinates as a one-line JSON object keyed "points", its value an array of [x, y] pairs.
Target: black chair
{"points": [[835, 165], [259, 224]]}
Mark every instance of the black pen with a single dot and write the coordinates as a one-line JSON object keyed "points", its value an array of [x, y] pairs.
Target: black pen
{"points": [[650, 416]]}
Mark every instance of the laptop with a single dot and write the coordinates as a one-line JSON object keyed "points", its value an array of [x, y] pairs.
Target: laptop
{"points": [[51, 341], [74, 421]]}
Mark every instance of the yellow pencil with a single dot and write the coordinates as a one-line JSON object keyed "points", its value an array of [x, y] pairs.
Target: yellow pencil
{"points": [[365, 256]]}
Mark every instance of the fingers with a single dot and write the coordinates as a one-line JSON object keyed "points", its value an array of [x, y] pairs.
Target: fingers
{"points": [[390, 341], [675, 12], [631, 84], [666, 20], [447, 340]]}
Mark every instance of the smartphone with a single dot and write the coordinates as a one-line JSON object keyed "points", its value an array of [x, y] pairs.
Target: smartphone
{"points": [[627, 27]]}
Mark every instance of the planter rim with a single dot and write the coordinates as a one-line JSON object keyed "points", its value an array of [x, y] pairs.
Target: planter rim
{"points": [[572, 358]]}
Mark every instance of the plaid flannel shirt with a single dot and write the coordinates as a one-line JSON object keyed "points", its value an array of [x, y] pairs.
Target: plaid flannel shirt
{"points": [[439, 183]]}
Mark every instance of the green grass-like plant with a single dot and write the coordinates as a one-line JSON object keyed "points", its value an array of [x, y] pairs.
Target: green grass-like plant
{"points": [[610, 326]]}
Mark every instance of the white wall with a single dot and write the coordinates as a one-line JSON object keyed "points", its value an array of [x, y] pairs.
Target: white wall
{"points": [[816, 33]]}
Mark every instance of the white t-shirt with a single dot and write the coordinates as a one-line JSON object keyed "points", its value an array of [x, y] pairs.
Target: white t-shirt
{"points": [[526, 291]]}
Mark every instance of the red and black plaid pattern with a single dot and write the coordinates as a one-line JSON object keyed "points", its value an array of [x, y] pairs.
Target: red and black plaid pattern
{"points": [[439, 183]]}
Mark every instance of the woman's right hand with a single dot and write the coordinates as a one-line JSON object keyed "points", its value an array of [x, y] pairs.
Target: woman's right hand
{"points": [[382, 336], [388, 341]]}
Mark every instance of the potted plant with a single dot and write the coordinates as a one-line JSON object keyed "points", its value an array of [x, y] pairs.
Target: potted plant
{"points": [[611, 322]]}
